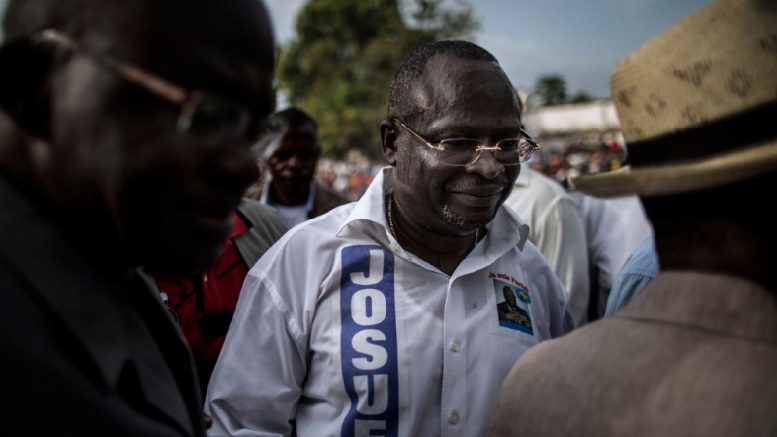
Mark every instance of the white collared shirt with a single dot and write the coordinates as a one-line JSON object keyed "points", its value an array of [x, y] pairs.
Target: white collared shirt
{"points": [[341, 329], [558, 230]]}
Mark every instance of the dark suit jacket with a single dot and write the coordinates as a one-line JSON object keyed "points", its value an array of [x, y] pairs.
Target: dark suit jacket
{"points": [[84, 352], [326, 199], [693, 355]]}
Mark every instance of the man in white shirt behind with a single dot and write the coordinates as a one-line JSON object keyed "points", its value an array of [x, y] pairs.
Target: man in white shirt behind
{"points": [[557, 229]]}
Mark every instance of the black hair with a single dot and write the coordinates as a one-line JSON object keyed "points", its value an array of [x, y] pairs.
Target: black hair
{"points": [[413, 66], [296, 117]]}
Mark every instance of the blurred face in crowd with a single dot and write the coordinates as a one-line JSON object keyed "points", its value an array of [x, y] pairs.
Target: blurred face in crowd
{"points": [[293, 165], [116, 155], [455, 98]]}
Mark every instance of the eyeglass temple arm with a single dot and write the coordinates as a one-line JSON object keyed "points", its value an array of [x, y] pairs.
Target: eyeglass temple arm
{"points": [[535, 144], [153, 83]]}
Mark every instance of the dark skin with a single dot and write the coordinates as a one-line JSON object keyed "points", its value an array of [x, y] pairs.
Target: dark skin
{"points": [[724, 230], [103, 155], [438, 209], [293, 165]]}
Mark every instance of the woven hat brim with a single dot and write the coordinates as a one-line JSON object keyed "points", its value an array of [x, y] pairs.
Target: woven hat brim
{"points": [[652, 181]]}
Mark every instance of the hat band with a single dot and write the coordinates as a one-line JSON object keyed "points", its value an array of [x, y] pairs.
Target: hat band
{"points": [[725, 135]]}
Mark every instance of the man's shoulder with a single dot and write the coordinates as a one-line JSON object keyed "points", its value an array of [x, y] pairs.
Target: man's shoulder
{"points": [[315, 232], [582, 344], [255, 208], [643, 259], [535, 189], [263, 218]]}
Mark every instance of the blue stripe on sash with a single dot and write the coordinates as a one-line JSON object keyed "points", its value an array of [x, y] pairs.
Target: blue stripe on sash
{"points": [[369, 342]]}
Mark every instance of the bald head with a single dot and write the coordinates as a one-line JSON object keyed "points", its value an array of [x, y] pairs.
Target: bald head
{"points": [[436, 58]]}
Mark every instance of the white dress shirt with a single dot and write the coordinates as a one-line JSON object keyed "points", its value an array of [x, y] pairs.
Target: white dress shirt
{"points": [[614, 228], [340, 329], [558, 230]]}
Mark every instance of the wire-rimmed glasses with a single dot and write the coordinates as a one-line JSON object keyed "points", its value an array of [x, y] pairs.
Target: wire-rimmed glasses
{"points": [[201, 114], [466, 151]]}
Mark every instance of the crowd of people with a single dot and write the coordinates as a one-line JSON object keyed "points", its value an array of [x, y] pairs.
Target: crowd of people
{"points": [[177, 258], [576, 160]]}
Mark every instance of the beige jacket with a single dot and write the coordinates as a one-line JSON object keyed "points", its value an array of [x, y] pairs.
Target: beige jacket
{"points": [[693, 355]]}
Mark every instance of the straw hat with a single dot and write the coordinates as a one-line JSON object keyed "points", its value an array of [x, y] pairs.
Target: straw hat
{"points": [[697, 104]]}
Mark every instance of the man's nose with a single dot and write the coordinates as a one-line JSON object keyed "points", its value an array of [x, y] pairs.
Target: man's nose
{"points": [[486, 164]]}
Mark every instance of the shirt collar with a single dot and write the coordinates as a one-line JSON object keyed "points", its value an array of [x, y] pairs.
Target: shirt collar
{"points": [[371, 208]]}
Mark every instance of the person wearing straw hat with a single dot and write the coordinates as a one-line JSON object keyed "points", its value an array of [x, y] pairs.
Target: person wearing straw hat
{"points": [[695, 353]]}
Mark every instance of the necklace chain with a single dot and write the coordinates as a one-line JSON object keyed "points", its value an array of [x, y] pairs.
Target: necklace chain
{"points": [[390, 215]]}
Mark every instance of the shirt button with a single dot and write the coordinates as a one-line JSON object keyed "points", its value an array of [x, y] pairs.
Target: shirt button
{"points": [[455, 347], [454, 418]]}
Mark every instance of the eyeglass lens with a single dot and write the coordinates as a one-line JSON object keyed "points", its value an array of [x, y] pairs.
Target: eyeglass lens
{"points": [[268, 139], [464, 151], [212, 116], [215, 116]]}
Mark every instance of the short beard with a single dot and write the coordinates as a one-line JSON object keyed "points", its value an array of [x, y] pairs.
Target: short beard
{"points": [[454, 218]]}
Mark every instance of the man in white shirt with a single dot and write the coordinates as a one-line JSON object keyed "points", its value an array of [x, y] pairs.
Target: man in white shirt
{"points": [[614, 227], [381, 316], [556, 228]]}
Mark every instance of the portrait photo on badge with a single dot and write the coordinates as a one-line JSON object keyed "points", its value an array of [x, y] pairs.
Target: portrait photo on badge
{"points": [[513, 307]]}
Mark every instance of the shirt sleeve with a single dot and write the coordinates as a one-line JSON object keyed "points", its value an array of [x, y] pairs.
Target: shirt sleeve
{"points": [[561, 238], [623, 291], [638, 270], [258, 378]]}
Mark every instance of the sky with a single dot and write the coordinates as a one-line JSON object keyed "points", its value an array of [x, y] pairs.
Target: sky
{"points": [[582, 40]]}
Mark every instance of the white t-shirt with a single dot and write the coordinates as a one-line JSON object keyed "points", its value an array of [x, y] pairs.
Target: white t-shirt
{"points": [[291, 215]]}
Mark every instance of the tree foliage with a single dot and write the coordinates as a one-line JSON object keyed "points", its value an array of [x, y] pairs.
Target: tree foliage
{"points": [[581, 97], [340, 64], [551, 89]]}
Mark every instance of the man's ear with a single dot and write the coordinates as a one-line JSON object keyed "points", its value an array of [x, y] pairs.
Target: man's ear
{"points": [[25, 85], [388, 137]]}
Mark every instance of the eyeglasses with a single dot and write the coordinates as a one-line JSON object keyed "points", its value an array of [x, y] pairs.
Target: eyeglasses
{"points": [[466, 151], [201, 114]]}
